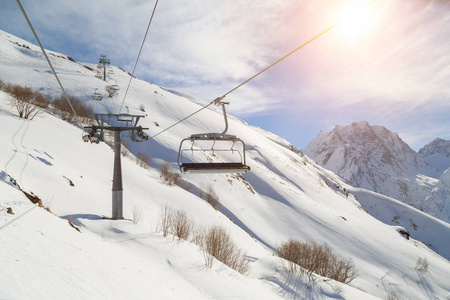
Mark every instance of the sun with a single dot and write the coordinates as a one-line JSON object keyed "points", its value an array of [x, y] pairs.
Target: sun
{"points": [[354, 19]]}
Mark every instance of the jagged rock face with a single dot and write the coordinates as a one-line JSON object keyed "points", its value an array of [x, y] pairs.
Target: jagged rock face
{"points": [[437, 154], [439, 198], [374, 158]]}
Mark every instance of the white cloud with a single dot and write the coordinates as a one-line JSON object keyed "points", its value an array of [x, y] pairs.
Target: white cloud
{"points": [[208, 47]]}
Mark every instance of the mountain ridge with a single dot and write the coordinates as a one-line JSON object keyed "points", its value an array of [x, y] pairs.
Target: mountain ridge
{"points": [[377, 159]]}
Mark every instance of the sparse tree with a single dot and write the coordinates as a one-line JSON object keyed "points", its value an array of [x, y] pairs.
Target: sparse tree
{"points": [[165, 221], [207, 193], [124, 150], [181, 226], [168, 175], [62, 105], [311, 258], [137, 214], [219, 245], [142, 160], [422, 265], [28, 103]]}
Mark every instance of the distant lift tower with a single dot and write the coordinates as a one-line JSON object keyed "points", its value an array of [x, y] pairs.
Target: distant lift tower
{"points": [[103, 61], [96, 133]]}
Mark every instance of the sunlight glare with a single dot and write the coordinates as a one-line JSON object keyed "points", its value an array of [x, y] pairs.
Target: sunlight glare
{"points": [[354, 19]]}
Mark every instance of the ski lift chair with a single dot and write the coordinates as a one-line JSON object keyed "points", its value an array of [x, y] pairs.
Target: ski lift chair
{"points": [[115, 87], [92, 135], [213, 167], [97, 96]]}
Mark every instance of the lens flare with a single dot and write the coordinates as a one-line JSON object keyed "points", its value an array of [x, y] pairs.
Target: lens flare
{"points": [[354, 19]]}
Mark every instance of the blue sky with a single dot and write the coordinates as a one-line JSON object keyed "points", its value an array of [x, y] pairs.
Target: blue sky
{"points": [[391, 69]]}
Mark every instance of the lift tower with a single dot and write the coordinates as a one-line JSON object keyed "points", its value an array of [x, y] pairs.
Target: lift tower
{"points": [[103, 61], [117, 123]]}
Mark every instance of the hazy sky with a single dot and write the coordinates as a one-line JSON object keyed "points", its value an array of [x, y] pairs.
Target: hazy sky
{"points": [[390, 67]]}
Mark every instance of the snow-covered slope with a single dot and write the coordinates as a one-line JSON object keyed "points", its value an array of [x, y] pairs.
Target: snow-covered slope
{"points": [[284, 196], [376, 159], [437, 154], [439, 198]]}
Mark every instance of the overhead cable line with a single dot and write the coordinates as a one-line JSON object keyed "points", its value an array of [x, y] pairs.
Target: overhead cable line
{"points": [[197, 111], [142, 46], [46, 57], [217, 100]]}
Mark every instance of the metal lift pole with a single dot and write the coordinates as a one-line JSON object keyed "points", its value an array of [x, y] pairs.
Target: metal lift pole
{"points": [[104, 61], [104, 72], [117, 189], [96, 133]]}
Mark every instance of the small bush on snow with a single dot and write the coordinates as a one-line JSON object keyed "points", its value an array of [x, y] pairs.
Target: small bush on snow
{"points": [[310, 257], [168, 175], [219, 245], [28, 102], [142, 160], [215, 241], [422, 265], [209, 195]]}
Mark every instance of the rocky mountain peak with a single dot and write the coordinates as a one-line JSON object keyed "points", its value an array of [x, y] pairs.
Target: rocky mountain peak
{"points": [[437, 154], [374, 158]]}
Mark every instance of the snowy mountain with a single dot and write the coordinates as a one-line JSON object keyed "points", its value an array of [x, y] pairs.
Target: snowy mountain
{"points": [[285, 196], [377, 159], [439, 198], [437, 154]]}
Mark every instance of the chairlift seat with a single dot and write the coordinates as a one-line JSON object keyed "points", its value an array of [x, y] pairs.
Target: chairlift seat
{"points": [[206, 168], [97, 96], [125, 118], [213, 136]]}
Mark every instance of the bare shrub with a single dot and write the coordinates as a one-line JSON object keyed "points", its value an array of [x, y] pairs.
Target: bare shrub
{"points": [[2, 85], [291, 252], [180, 225], [422, 265], [165, 221], [209, 195], [168, 175], [142, 160], [111, 91], [142, 107], [164, 170], [315, 258], [62, 105], [197, 235], [219, 245], [215, 241], [176, 223], [393, 295], [137, 214], [28, 103], [124, 150]]}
